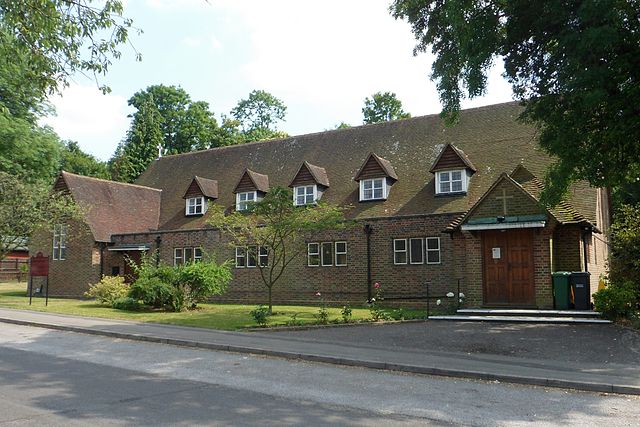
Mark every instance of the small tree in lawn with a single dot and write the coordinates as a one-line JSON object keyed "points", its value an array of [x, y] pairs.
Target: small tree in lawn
{"points": [[277, 225]]}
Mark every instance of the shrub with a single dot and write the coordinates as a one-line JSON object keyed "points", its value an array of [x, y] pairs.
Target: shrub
{"points": [[260, 314], [199, 281], [294, 321], [616, 301], [346, 314], [109, 289], [126, 303], [154, 288]]}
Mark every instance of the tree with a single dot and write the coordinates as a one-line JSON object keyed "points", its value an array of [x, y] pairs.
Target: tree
{"points": [[258, 115], [383, 107], [342, 125], [60, 37], [574, 65], [75, 160], [28, 207], [277, 225]]}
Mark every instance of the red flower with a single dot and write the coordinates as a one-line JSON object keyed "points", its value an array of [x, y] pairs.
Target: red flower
{"points": [[376, 285]]}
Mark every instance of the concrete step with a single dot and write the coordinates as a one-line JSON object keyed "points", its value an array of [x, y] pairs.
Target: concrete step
{"points": [[528, 312], [520, 319]]}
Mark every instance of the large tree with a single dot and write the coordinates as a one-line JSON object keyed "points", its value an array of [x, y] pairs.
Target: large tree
{"points": [[574, 63], [74, 160], [277, 226], [383, 107], [258, 116]]}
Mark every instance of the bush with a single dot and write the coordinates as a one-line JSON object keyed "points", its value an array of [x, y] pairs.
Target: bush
{"points": [[109, 289], [616, 301], [625, 247], [154, 288], [260, 314], [199, 281], [126, 303]]}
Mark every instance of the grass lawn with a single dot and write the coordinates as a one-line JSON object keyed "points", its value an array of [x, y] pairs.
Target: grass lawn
{"points": [[214, 316]]}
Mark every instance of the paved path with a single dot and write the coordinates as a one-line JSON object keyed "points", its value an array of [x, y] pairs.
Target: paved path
{"points": [[617, 378]]}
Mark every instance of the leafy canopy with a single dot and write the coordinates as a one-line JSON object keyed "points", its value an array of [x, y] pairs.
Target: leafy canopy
{"points": [[383, 107], [258, 116], [573, 63], [279, 226]]}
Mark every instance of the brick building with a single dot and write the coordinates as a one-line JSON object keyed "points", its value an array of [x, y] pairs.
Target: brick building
{"points": [[431, 204]]}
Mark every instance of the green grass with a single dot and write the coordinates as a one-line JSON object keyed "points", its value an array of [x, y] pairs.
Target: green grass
{"points": [[214, 316]]}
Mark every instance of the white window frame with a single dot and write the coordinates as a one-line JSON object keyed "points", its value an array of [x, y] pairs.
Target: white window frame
{"points": [[241, 253], [243, 205], [255, 258], [178, 256], [195, 206], [464, 180], [263, 256], [322, 260], [373, 181], [60, 233], [336, 253], [197, 257], [411, 250], [405, 251], [427, 250], [313, 194], [313, 253]]}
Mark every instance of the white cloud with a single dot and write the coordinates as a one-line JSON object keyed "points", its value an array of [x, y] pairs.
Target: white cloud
{"points": [[98, 122]]}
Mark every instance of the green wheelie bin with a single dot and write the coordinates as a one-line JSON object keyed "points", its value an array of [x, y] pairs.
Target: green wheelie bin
{"points": [[561, 290]]}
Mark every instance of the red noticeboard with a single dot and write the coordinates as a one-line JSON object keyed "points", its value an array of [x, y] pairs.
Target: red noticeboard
{"points": [[39, 265]]}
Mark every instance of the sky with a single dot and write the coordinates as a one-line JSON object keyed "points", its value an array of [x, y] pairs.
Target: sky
{"points": [[321, 58]]}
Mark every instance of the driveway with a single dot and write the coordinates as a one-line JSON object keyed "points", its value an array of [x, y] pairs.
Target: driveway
{"points": [[578, 343]]}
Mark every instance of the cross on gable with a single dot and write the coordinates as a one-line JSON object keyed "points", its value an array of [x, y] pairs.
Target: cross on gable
{"points": [[504, 198]]}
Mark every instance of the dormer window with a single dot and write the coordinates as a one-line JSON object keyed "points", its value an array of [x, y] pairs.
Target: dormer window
{"points": [[373, 189], [305, 195], [451, 182], [244, 199], [196, 206]]}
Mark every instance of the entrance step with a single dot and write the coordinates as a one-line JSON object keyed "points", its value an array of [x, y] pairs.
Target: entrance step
{"points": [[513, 312], [520, 319]]}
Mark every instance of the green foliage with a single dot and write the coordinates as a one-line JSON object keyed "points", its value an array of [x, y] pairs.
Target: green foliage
{"points": [[58, 38], [26, 208], [278, 225], [294, 321], [383, 107], [573, 64], [76, 161], [625, 246], [322, 317], [108, 289], [346, 314], [261, 315], [617, 301], [258, 115], [180, 287], [126, 303]]}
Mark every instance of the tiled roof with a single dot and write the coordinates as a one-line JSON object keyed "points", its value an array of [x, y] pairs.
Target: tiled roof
{"points": [[208, 187], [490, 137], [113, 207], [461, 155], [318, 173]]}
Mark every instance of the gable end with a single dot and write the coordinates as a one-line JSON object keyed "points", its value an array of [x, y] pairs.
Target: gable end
{"points": [[452, 158]]}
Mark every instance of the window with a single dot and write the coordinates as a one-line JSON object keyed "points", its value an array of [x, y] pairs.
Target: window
{"points": [[60, 242], [250, 256], [196, 206], [243, 200], [433, 250], [313, 254], [373, 189], [451, 182], [305, 195], [327, 254], [186, 255], [341, 254], [416, 253], [400, 251]]}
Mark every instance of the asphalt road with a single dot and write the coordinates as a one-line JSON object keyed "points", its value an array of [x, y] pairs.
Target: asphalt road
{"points": [[62, 378]]}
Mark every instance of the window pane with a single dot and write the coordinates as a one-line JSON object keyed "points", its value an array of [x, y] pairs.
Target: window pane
{"points": [[368, 194], [444, 176], [416, 255], [444, 187], [433, 243], [400, 245], [188, 255], [433, 257], [197, 254], [252, 255], [433, 250], [264, 256], [456, 176], [368, 184], [400, 251], [177, 256], [56, 253], [300, 200], [240, 257], [456, 186], [313, 254], [341, 253], [327, 253], [63, 253], [377, 193]]}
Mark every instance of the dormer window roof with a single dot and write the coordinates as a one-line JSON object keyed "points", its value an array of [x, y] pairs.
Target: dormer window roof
{"points": [[452, 158], [252, 181], [309, 174], [375, 166], [202, 187]]}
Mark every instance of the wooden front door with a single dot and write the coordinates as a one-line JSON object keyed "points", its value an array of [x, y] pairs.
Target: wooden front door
{"points": [[508, 267]]}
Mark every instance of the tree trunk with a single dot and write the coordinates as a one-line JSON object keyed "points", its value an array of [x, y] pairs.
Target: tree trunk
{"points": [[270, 304]]}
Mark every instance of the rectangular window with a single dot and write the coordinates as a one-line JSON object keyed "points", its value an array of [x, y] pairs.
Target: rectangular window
{"points": [[263, 256], [186, 255], [400, 251], [341, 254], [241, 257], [197, 254], [196, 206], [60, 242], [313, 254], [244, 200], [373, 189], [178, 256], [252, 256], [451, 182], [416, 252], [327, 254], [433, 250], [304, 195]]}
